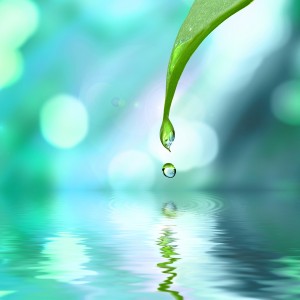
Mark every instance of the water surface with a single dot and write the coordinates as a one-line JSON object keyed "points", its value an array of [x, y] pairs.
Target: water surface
{"points": [[150, 246]]}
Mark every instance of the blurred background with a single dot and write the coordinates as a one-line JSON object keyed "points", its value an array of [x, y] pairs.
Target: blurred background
{"points": [[82, 86], [82, 91]]}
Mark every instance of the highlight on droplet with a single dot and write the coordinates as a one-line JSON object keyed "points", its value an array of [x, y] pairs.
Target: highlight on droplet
{"points": [[167, 134]]}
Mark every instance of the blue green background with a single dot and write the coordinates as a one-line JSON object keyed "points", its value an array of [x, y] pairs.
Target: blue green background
{"points": [[81, 100], [82, 91]]}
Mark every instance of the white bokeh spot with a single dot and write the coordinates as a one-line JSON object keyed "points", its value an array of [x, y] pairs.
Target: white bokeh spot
{"points": [[64, 121]]}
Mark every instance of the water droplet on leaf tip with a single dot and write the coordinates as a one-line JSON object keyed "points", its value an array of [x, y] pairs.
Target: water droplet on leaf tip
{"points": [[169, 141], [167, 134], [169, 170]]}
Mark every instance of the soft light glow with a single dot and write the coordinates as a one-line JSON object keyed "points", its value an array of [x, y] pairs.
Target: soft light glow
{"points": [[18, 21], [116, 10], [131, 170], [5, 293], [286, 103], [120, 8], [11, 66], [64, 121], [196, 145], [247, 35], [65, 256]]}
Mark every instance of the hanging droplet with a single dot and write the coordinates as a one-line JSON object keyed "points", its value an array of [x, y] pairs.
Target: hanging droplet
{"points": [[169, 140], [169, 170], [167, 134]]}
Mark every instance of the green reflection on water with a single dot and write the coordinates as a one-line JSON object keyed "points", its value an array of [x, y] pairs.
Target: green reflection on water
{"points": [[81, 246], [167, 249], [290, 268]]}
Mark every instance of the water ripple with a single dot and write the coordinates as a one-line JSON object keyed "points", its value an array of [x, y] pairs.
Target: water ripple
{"points": [[206, 204], [151, 246]]}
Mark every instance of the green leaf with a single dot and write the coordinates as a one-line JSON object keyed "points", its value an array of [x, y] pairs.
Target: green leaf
{"points": [[203, 18]]}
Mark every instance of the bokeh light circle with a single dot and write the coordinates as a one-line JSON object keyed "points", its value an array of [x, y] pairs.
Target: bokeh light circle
{"points": [[196, 145], [11, 66], [286, 103], [18, 21], [131, 170], [64, 121]]}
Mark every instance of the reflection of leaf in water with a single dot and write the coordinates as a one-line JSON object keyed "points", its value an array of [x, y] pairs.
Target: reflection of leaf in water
{"points": [[169, 210], [167, 250], [290, 269], [203, 18]]}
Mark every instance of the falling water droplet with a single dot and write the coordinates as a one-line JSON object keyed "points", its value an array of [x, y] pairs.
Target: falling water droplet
{"points": [[169, 170], [167, 134]]}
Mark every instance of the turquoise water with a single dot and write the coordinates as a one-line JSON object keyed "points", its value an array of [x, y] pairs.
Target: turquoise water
{"points": [[150, 246]]}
